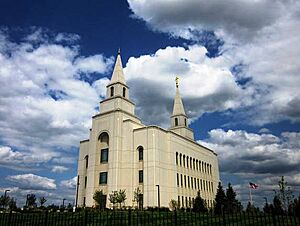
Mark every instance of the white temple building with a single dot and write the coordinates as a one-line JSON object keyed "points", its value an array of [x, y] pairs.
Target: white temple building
{"points": [[123, 153]]}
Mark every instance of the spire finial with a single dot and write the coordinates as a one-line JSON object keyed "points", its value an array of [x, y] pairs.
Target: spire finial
{"points": [[119, 51], [177, 81]]}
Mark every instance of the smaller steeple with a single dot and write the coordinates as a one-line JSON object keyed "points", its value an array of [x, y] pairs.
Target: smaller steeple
{"points": [[118, 75], [179, 122], [178, 108]]}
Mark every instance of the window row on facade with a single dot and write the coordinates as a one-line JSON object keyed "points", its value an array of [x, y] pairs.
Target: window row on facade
{"points": [[188, 202], [194, 183], [192, 163]]}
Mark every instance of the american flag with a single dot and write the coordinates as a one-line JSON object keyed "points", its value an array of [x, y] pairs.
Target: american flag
{"points": [[253, 186]]}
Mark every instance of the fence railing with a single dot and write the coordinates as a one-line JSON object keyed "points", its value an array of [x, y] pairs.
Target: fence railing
{"points": [[145, 218]]}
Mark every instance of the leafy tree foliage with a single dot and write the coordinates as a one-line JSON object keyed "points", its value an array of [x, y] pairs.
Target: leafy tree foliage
{"points": [[251, 208], [12, 204], [285, 195], [117, 197], [4, 201], [137, 194], [199, 204], [42, 201], [277, 205], [220, 199], [31, 201], [98, 197], [232, 205]]}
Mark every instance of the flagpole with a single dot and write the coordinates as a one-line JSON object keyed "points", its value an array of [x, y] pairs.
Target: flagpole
{"points": [[250, 195]]}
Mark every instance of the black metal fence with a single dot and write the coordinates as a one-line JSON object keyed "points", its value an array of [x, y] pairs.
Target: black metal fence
{"points": [[145, 218]]}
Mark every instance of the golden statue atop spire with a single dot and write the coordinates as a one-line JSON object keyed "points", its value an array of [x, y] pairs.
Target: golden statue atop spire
{"points": [[177, 81]]}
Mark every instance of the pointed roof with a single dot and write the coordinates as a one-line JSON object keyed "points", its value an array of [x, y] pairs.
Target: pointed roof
{"points": [[178, 108], [118, 75]]}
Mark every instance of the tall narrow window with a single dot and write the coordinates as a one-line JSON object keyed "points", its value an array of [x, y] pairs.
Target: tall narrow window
{"points": [[185, 121], [141, 176], [103, 178], [104, 147], [183, 160], [181, 180], [180, 159], [188, 181], [85, 181], [176, 158], [182, 199], [178, 200], [184, 181], [177, 180], [192, 182], [104, 155], [176, 121], [141, 153], [112, 89], [187, 161], [83, 201], [86, 161], [124, 91]]}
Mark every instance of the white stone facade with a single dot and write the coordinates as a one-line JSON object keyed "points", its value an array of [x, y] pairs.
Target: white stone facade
{"points": [[135, 155]]}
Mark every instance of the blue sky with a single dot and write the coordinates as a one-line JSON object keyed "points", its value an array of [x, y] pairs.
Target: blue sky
{"points": [[239, 76]]}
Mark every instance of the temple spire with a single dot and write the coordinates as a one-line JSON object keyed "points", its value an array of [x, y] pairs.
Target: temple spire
{"points": [[118, 75], [178, 108]]}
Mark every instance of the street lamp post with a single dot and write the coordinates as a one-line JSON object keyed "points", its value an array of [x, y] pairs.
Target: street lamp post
{"points": [[158, 195]]}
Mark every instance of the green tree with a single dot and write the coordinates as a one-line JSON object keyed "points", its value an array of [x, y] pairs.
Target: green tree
{"points": [[232, 205], [277, 205], [4, 200], [113, 198], [31, 200], [42, 201], [199, 204], [121, 197], [137, 195], [285, 194], [99, 198], [220, 199], [12, 204]]}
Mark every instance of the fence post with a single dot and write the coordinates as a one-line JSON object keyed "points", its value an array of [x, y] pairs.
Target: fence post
{"points": [[274, 218], [9, 217], [175, 218], [129, 217], [224, 218], [46, 218], [85, 217]]}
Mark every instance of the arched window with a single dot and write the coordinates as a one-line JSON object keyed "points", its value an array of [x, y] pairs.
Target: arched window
{"points": [[86, 158], [104, 147], [141, 153], [124, 91], [176, 121], [112, 89]]}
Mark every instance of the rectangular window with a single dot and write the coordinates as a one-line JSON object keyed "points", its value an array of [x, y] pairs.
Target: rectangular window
{"points": [[104, 155], [83, 201], [178, 201], [201, 184], [184, 181], [177, 180], [181, 180], [192, 182], [182, 199], [188, 181], [195, 183], [103, 178], [198, 184], [85, 181], [141, 157], [141, 176]]}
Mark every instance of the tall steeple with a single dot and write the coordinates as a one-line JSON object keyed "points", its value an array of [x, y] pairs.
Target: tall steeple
{"points": [[179, 123], [118, 75], [178, 108], [117, 92]]}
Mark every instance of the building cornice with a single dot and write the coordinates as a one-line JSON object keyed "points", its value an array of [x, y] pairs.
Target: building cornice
{"points": [[185, 138], [114, 83], [116, 110], [83, 141], [115, 97]]}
